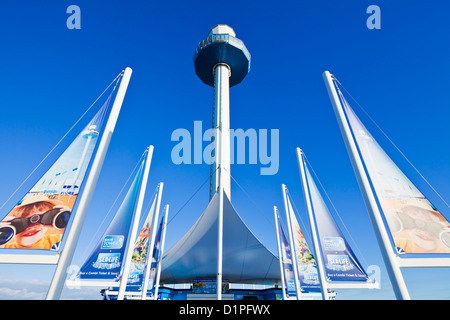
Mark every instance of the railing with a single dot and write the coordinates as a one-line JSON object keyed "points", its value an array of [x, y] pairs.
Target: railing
{"points": [[221, 38]]}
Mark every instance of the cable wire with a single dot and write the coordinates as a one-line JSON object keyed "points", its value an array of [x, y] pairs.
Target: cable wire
{"points": [[254, 203], [185, 204]]}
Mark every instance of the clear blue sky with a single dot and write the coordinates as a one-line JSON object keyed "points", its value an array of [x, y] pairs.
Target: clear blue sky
{"points": [[399, 74]]}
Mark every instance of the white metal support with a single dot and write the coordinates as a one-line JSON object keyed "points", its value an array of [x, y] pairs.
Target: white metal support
{"points": [[423, 262], [151, 244], [161, 251], [220, 238], [280, 254], [291, 242], [312, 223], [134, 228], [222, 111], [223, 181], [29, 259]]}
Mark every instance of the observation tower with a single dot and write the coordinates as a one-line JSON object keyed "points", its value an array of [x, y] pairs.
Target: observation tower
{"points": [[219, 244], [221, 61]]}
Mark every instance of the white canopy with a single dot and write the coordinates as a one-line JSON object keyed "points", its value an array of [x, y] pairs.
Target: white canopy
{"points": [[194, 256]]}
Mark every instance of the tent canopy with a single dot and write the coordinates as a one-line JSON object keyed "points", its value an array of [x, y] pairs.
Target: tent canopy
{"points": [[194, 256]]}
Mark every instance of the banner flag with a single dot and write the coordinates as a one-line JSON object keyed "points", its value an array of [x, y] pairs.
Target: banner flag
{"points": [[307, 268], [155, 258], [106, 260], [139, 256]]}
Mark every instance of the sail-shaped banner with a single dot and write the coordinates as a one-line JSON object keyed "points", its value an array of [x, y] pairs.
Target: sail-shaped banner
{"points": [[307, 268], [286, 259], [340, 262], [156, 256], [415, 225], [106, 260], [139, 256], [39, 220]]}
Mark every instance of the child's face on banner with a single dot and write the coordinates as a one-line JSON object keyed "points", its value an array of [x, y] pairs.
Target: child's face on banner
{"points": [[35, 231]]}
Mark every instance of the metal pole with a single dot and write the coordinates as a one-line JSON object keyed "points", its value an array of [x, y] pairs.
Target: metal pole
{"points": [[280, 254], [134, 228], [161, 251], [312, 223], [291, 242], [65, 259], [152, 243], [222, 105], [220, 239], [395, 275], [222, 112]]}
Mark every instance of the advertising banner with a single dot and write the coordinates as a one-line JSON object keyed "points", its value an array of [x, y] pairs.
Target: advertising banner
{"points": [[139, 255], [106, 261], [209, 286], [155, 257], [307, 268]]}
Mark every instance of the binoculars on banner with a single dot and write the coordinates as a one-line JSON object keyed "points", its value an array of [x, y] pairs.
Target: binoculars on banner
{"points": [[55, 217]]}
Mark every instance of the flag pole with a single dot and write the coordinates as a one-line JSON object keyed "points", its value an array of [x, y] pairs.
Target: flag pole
{"points": [[280, 255], [291, 242], [394, 272], [221, 79], [66, 255], [134, 228], [312, 223], [220, 236], [151, 245]]}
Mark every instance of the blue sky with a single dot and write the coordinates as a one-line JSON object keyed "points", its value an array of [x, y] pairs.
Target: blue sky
{"points": [[398, 74]]}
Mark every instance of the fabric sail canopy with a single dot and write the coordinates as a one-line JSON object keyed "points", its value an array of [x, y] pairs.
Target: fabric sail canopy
{"points": [[415, 224], [194, 256]]}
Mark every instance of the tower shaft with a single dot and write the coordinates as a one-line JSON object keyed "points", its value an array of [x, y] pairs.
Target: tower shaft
{"points": [[222, 73]]}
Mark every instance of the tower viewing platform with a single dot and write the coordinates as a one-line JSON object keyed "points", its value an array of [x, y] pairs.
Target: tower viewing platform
{"points": [[221, 46]]}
